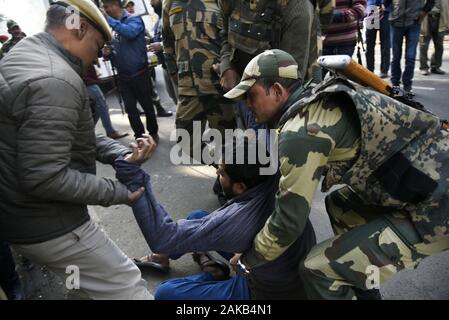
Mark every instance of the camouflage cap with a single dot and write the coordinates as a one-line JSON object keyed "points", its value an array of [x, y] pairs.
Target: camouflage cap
{"points": [[89, 11], [273, 63], [10, 24]]}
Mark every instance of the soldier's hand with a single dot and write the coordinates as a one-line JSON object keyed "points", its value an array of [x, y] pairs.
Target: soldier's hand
{"points": [[230, 79], [142, 150], [238, 266], [234, 260], [155, 47], [216, 67], [134, 196]]}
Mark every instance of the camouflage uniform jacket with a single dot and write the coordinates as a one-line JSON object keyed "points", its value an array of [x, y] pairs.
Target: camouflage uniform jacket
{"points": [[190, 32], [8, 45], [391, 155], [251, 27]]}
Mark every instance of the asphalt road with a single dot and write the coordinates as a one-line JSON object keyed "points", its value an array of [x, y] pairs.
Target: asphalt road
{"points": [[182, 189]]}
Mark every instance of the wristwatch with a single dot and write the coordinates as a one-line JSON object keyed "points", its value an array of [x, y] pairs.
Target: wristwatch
{"points": [[243, 268]]}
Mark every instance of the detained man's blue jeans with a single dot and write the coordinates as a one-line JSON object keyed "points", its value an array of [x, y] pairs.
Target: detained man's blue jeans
{"points": [[101, 108], [411, 35], [203, 286]]}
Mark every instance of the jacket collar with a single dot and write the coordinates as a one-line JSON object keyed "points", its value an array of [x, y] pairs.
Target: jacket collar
{"points": [[55, 46], [124, 16], [292, 100]]}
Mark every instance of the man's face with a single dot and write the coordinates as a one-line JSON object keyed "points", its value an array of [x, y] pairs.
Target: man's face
{"points": [[16, 32], [130, 9], [112, 9], [88, 45], [262, 103]]}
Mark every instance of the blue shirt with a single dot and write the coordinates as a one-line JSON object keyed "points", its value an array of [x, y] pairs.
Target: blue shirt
{"points": [[129, 46], [378, 3]]}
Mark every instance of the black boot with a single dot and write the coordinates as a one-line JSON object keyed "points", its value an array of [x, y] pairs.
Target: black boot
{"points": [[373, 294], [161, 112]]}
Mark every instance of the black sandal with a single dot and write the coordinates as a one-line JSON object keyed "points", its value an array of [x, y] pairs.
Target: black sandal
{"points": [[211, 262], [145, 265]]}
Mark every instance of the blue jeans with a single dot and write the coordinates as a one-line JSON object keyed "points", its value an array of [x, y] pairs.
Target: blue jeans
{"points": [[101, 108], [203, 286], [411, 35]]}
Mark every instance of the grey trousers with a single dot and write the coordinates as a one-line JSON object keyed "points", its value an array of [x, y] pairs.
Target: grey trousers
{"points": [[105, 272], [436, 59]]}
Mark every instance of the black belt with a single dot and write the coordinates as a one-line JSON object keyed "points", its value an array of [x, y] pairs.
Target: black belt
{"points": [[256, 32]]}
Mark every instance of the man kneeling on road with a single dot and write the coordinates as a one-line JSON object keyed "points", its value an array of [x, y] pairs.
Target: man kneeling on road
{"points": [[49, 148], [394, 161]]}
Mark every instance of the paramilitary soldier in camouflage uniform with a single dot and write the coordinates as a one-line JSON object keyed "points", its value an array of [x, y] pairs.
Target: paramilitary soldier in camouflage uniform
{"points": [[17, 35], [191, 47], [252, 26], [394, 161]]}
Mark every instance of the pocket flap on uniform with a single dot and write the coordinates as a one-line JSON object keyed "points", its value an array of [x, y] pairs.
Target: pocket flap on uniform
{"points": [[403, 181]]}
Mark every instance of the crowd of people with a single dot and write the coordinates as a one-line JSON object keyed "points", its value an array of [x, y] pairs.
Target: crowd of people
{"points": [[229, 64]]}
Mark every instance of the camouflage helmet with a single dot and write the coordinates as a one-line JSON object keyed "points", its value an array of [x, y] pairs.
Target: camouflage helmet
{"points": [[11, 24], [273, 63]]}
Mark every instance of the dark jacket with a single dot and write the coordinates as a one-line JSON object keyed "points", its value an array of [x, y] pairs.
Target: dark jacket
{"points": [[90, 76], [230, 228], [404, 13], [48, 145], [129, 46]]}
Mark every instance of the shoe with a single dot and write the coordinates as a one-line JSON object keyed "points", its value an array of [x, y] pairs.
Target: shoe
{"points": [[396, 89], [162, 113], [437, 71], [372, 294], [116, 135], [147, 263], [384, 75], [409, 91], [155, 138], [424, 72], [208, 263]]}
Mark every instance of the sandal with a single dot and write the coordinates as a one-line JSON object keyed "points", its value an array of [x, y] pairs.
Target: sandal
{"points": [[211, 262], [148, 264]]}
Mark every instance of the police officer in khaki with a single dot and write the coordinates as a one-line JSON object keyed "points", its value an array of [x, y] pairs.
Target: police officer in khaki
{"points": [[49, 149], [190, 31], [393, 160]]}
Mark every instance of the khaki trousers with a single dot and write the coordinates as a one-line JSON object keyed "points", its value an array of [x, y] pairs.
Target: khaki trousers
{"points": [[105, 272]]}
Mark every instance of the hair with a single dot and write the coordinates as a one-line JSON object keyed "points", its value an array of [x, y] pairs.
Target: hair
{"points": [[289, 84], [246, 173], [57, 16], [120, 3]]}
